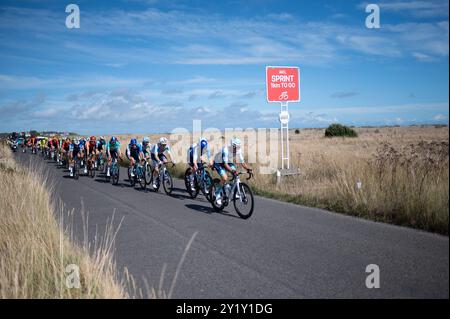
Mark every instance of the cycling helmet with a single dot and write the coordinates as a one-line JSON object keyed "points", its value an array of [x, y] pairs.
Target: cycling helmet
{"points": [[102, 138], [235, 142], [203, 143], [76, 142], [93, 139], [146, 140], [113, 139], [163, 141], [133, 141]]}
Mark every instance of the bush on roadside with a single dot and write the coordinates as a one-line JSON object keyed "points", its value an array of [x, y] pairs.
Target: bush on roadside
{"points": [[340, 130]]}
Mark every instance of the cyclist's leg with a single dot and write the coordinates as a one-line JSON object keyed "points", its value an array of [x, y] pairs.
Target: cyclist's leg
{"points": [[155, 165], [132, 165]]}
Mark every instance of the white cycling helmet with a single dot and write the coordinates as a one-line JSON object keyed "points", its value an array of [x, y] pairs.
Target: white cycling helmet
{"points": [[146, 139], [76, 141], [163, 141], [235, 142]]}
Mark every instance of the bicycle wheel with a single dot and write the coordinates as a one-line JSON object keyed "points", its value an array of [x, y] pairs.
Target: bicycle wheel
{"points": [[115, 174], [187, 173], [131, 178], [243, 203], [167, 183], [140, 174], [207, 182], [92, 171], [187, 183], [147, 173], [212, 191], [76, 171]]}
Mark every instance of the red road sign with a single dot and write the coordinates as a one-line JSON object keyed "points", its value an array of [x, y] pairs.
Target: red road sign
{"points": [[283, 84]]}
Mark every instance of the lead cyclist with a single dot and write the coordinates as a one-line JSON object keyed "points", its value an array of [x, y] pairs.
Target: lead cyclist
{"points": [[223, 164]]}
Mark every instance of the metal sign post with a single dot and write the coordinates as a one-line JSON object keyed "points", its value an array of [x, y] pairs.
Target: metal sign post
{"points": [[283, 86], [284, 120]]}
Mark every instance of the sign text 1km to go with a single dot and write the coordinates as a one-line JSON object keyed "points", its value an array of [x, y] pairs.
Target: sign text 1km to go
{"points": [[283, 84]]}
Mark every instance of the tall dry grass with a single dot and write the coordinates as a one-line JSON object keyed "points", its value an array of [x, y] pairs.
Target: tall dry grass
{"points": [[35, 250], [397, 175]]}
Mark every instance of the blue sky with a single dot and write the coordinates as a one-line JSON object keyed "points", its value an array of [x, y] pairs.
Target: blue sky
{"points": [[154, 65]]}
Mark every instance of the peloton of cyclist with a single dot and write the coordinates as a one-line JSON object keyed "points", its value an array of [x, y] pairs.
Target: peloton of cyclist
{"points": [[113, 152], [158, 156], [198, 154], [134, 154], [224, 161]]}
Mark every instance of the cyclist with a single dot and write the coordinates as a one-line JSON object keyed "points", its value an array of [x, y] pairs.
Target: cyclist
{"points": [[198, 154], [146, 147], [223, 164], [53, 146], [76, 151], [91, 151], [158, 156], [101, 146], [83, 144], [113, 152], [65, 148], [42, 144], [134, 154], [33, 142]]}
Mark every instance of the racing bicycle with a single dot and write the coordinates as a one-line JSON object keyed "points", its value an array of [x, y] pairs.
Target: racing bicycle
{"points": [[165, 177], [114, 172], [238, 192], [138, 175], [200, 181]]}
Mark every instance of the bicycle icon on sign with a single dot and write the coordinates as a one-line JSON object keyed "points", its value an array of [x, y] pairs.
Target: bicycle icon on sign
{"points": [[283, 96]]}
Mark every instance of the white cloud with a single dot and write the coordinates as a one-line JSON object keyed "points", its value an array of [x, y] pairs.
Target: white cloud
{"points": [[215, 39], [421, 9], [440, 117]]}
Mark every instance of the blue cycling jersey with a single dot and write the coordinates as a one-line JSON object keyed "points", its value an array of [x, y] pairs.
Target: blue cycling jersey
{"points": [[196, 151], [134, 152], [76, 148]]}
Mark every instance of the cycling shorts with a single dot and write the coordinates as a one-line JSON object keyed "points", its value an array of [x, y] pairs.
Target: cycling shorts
{"points": [[114, 154], [162, 157]]}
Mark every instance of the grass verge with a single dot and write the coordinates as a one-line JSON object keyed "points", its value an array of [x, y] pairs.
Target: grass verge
{"points": [[37, 257]]}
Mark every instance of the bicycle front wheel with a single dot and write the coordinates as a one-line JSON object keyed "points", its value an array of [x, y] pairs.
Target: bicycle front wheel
{"points": [[141, 178], [167, 183], [115, 175], [243, 201], [207, 182], [147, 174]]}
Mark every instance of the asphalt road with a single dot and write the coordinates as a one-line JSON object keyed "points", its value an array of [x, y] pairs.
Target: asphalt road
{"points": [[282, 251]]}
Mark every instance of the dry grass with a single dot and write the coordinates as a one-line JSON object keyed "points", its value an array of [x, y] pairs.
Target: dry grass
{"points": [[35, 251], [403, 173]]}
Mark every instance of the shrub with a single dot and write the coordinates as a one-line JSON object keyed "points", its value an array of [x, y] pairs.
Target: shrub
{"points": [[340, 130], [297, 131]]}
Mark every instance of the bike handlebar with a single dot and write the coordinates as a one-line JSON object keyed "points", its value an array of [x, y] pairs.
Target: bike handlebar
{"points": [[249, 173]]}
